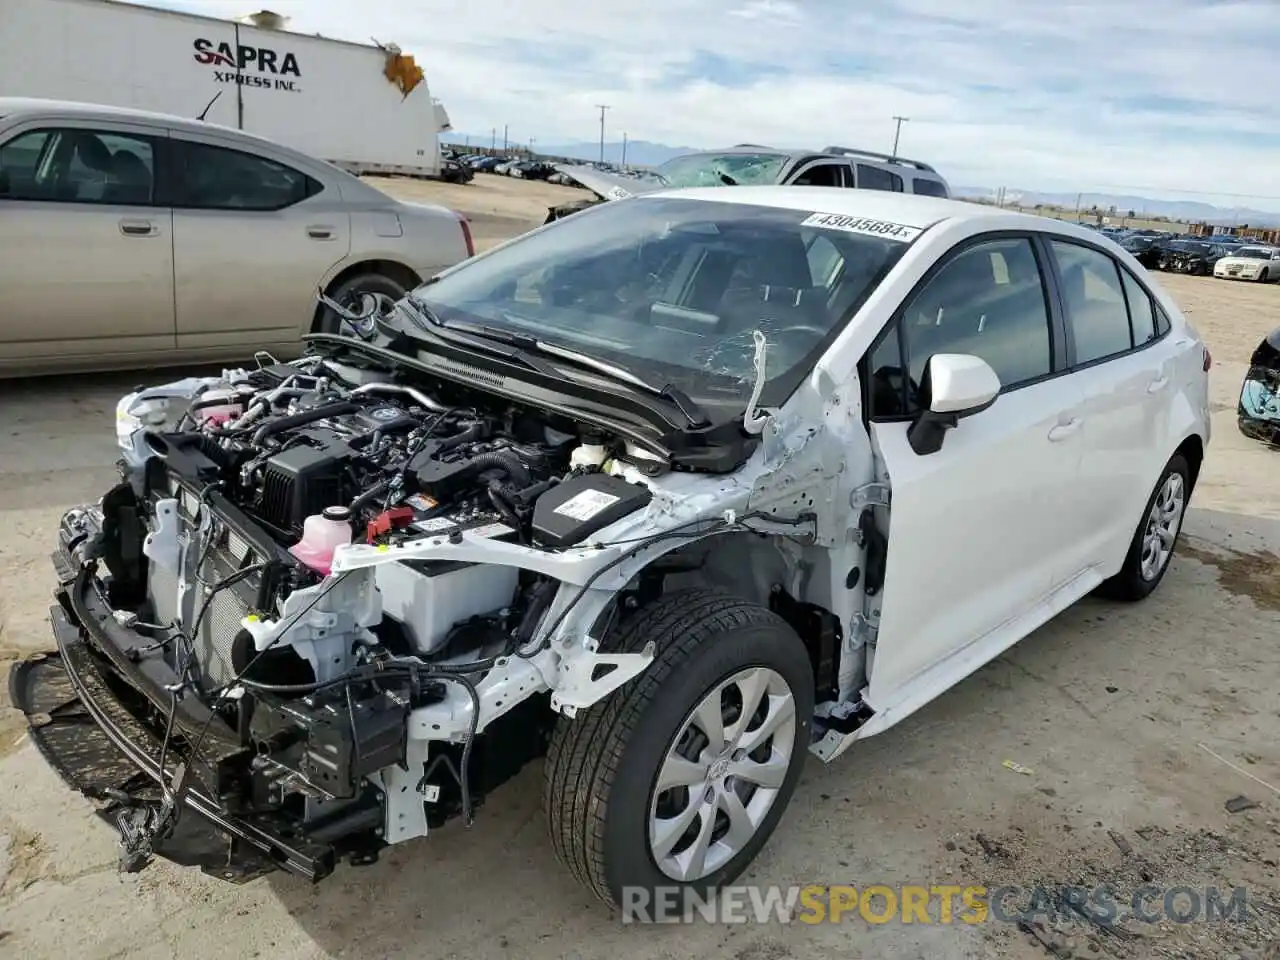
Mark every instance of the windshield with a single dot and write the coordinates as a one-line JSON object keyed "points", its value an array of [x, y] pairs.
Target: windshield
{"points": [[1254, 253], [722, 169], [1137, 243], [672, 289]]}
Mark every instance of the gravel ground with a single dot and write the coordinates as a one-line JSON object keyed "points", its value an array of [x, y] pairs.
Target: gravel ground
{"points": [[1134, 726]]}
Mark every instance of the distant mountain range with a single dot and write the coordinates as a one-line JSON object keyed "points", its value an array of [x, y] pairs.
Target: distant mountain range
{"points": [[643, 153]]}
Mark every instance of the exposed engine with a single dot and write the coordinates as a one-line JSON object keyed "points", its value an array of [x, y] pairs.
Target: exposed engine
{"points": [[220, 544]]}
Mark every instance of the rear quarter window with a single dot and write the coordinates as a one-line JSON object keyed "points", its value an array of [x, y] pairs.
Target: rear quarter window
{"points": [[927, 187]]}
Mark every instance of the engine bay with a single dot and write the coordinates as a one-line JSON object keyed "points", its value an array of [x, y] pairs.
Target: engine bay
{"points": [[219, 548]]}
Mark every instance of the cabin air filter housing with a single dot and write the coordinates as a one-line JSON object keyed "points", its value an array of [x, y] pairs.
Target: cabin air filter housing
{"points": [[571, 511]]}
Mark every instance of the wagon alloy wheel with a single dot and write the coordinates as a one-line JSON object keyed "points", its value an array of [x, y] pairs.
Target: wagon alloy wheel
{"points": [[1163, 521], [721, 774]]}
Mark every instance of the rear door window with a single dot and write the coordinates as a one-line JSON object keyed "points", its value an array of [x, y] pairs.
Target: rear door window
{"points": [[877, 178], [219, 178], [1095, 302]]}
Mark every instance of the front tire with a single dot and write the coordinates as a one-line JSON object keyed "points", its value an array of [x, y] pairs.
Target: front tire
{"points": [[1153, 543], [666, 784], [1263, 277]]}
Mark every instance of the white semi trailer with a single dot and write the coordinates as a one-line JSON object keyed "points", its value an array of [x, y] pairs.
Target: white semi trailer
{"points": [[362, 107]]}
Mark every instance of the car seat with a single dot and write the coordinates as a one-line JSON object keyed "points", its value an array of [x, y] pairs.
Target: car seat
{"points": [[129, 179]]}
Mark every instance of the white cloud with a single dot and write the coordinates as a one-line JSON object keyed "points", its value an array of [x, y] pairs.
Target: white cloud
{"points": [[1173, 96]]}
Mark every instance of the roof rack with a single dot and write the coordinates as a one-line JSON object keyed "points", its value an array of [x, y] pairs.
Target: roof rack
{"points": [[872, 155]]}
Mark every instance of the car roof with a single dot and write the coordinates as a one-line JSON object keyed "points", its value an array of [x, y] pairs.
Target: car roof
{"points": [[835, 153], [912, 209]]}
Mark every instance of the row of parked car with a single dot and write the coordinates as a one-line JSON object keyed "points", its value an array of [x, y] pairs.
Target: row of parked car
{"points": [[522, 168], [1227, 258]]}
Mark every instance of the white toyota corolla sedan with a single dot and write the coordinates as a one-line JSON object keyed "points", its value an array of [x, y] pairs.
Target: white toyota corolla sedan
{"points": [[678, 491]]}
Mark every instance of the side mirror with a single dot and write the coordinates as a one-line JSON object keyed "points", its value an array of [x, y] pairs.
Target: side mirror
{"points": [[954, 385]]}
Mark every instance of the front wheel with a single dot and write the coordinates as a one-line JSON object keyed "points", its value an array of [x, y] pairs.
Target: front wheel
{"points": [[676, 781], [1263, 277], [1152, 546]]}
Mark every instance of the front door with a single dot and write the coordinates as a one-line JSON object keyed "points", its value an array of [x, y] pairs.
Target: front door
{"points": [[977, 528], [253, 238], [86, 253]]}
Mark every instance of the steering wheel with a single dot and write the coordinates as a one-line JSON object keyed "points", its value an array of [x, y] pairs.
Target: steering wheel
{"points": [[735, 355]]}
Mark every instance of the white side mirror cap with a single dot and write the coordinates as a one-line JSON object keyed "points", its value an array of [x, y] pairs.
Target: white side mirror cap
{"points": [[961, 383]]}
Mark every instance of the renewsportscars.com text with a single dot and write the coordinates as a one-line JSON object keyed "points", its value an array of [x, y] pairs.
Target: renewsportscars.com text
{"points": [[934, 904]]}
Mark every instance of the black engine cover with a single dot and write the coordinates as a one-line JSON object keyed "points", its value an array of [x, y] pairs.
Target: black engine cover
{"points": [[570, 512], [303, 480]]}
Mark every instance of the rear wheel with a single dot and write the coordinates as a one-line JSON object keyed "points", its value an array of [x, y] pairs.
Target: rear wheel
{"points": [[348, 294], [1157, 535], [677, 779]]}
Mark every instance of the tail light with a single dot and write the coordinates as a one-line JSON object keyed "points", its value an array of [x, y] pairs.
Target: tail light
{"points": [[466, 234], [1208, 360]]}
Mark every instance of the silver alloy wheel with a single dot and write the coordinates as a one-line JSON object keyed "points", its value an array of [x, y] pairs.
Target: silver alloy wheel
{"points": [[721, 773], [1162, 526]]}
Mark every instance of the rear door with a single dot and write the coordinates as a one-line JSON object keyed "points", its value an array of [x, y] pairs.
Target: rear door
{"points": [[86, 254], [977, 528], [253, 239], [1124, 365]]}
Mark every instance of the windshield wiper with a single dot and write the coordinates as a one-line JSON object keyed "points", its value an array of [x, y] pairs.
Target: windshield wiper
{"points": [[422, 315], [671, 393], [426, 320]]}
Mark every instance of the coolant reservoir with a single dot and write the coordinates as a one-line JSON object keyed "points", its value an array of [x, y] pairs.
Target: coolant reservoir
{"points": [[223, 405], [322, 534], [587, 455]]}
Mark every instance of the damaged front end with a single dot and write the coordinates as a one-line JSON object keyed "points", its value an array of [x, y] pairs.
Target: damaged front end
{"points": [[1258, 410], [326, 610]]}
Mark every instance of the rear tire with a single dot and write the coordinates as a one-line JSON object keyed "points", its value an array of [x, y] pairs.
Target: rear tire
{"points": [[608, 819], [1151, 550], [348, 294]]}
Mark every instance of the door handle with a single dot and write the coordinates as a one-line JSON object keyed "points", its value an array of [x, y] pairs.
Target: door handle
{"points": [[1155, 386], [320, 233], [138, 228], [1064, 430]]}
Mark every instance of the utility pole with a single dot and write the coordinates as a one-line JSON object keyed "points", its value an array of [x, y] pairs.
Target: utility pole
{"points": [[505, 141], [531, 146], [602, 107], [624, 149], [1079, 197], [493, 140], [897, 132]]}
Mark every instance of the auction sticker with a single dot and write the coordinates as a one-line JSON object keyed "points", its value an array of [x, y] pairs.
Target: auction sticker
{"points": [[871, 228]]}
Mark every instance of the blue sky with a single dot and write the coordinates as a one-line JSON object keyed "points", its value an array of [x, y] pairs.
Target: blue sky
{"points": [[1169, 98]]}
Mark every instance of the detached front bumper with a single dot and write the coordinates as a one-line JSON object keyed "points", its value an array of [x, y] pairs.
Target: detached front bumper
{"points": [[97, 717]]}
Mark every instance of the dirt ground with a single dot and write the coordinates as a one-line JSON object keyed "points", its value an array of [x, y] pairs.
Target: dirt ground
{"points": [[1134, 726]]}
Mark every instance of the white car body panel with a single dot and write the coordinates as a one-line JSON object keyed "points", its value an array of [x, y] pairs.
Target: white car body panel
{"points": [[1027, 506]]}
